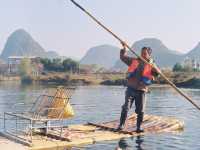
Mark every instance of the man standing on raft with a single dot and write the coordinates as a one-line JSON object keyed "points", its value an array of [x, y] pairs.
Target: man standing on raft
{"points": [[140, 75]]}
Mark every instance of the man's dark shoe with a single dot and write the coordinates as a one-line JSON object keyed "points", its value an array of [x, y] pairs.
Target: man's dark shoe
{"points": [[119, 128], [139, 130]]}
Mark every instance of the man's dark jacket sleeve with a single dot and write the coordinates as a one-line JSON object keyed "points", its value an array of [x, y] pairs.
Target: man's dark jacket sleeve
{"points": [[127, 60]]}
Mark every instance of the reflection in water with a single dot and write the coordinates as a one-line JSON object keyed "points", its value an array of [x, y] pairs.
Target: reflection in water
{"points": [[139, 140], [123, 144]]}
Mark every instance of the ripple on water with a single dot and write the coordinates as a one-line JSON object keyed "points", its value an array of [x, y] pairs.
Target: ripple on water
{"points": [[103, 103]]}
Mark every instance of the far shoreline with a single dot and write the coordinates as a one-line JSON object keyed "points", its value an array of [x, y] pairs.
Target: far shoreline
{"points": [[186, 80]]}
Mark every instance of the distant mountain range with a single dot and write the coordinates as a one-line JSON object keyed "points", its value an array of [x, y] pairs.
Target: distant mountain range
{"points": [[194, 53], [104, 56], [162, 55], [20, 43]]}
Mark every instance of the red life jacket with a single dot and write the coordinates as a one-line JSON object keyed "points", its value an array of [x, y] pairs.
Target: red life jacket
{"points": [[146, 76]]}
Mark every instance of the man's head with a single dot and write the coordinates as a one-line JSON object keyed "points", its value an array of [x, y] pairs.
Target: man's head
{"points": [[146, 53]]}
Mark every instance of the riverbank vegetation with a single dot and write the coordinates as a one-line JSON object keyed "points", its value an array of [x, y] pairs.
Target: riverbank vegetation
{"points": [[70, 72], [59, 65], [181, 79]]}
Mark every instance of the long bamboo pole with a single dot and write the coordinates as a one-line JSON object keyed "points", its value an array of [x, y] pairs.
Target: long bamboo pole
{"points": [[126, 45]]}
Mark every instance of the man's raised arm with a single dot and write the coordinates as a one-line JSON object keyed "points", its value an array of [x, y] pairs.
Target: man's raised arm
{"points": [[126, 59]]}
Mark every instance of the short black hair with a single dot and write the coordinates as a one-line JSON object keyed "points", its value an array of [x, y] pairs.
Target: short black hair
{"points": [[148, 49]]}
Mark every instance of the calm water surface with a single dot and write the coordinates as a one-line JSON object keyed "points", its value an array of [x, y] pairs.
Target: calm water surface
{"points": [[103, 103]]}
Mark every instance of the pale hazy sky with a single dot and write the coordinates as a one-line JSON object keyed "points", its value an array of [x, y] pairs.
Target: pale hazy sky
{"points": [[58, 25]]}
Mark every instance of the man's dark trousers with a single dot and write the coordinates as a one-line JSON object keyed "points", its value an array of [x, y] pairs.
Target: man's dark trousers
{"points": [[132, 95]]}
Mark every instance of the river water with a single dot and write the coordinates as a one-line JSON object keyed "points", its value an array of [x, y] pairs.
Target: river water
{"points": [[103, 103]]}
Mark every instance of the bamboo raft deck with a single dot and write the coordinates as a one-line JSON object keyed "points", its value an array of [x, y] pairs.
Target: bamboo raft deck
{"points": [[78, 135]]}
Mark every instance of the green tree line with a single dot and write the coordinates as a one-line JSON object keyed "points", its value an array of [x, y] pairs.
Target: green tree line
{"points": [[179, 68], [67, 65]]}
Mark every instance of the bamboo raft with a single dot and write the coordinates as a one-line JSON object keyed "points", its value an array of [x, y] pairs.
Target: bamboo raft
{"points": [[78, 135]]}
